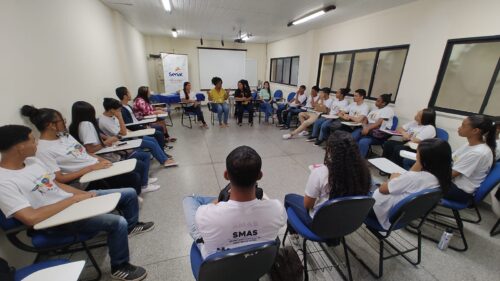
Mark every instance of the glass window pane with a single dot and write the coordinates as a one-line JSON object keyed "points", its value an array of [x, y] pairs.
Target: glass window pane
{"points": [[468, 75], [279, 70], [273, 70], [341, 71], [492, 108], [388, 72], [286, 70], [294, 79], [325, 76], [362, 70]]}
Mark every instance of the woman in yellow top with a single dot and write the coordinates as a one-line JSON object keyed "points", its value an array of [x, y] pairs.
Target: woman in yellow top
{"points": [[217, 97]]}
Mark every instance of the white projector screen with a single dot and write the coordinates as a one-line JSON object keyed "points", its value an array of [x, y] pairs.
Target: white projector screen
{"points": [[229, 65]]}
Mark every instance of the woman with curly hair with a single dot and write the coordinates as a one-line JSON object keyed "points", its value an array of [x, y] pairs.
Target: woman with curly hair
{"points": [[344, 173]]}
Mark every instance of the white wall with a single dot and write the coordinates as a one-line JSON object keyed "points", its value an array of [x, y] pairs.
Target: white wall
{"points": [[426, 25], [55, 52], [157, 44]]}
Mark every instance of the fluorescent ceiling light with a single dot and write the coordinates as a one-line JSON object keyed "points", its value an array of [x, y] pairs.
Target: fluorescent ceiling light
{"points": [[245, 37], [174, 33], [312, 15], [166, 5]]}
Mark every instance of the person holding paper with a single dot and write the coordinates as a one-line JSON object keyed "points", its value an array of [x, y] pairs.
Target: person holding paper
{"points": [[243, 98], [192, 105], [30, 193], [217, 98]]}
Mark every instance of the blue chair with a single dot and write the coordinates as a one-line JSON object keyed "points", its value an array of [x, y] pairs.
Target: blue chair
{"points": [[49, 244], [278, 96], [24, 272], [188, 114], [200, 97], [442, 134], [489, 183], [335, 219], [415, 206], [246, 263]]}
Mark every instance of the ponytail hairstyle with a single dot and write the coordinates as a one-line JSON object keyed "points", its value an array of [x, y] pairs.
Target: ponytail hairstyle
{"points": [[435, 157], [348, 173], [386, 99], [42, 117], [186, 95], [488, 130], [83, 111], [428, 117], [143, 92]]}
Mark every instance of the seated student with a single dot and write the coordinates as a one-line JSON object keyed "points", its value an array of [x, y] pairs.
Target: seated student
{"points": [[339, 104], [266, 101], [142, 107], [321, 104], [473, 161], [30, 194], [128, 116], [244, 219], [217, 98], [67, 158], [432, 170], [243, 99], [344, 173], [356, 112], [379, 118], [423, 127], [293, 108], [85, 130], [111, 123], [192, 104]]}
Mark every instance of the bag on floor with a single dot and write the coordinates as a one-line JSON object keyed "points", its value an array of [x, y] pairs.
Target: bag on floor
{"points": [[287, 266], [224, 193]]}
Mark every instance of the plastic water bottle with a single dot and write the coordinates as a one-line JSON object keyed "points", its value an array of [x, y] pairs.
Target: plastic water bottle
{"points": [[445, 239]]}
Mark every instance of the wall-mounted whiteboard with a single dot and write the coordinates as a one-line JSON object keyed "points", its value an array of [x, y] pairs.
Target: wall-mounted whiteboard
{"points": [[226, 64], [251, 72]]}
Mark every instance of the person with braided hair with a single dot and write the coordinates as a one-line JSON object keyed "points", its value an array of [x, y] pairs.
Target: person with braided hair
{"points": [[344, 173]]}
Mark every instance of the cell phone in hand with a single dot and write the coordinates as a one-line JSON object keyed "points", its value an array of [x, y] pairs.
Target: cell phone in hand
{"points": [[121, 143]]}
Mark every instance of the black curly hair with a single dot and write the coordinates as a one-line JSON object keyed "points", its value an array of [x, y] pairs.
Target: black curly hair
{"points": [[348, 173]]}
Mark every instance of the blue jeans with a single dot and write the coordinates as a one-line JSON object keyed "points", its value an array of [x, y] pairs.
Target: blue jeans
{"points": [[114, 225], [364, 142], [151, 144], [191, 205], [142, 166], [221, 108], [291, 112], [267, 108], [320, 126], [296, 202]]}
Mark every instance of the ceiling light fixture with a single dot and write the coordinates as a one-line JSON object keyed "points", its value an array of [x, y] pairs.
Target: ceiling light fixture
{"points": [[174, 32], [312, 15], [201, 41], [166, 5], [245, 37]]}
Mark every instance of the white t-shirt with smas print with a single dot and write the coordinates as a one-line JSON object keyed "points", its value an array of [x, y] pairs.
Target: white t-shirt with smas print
{"points": [[386, 113], [233, 224], [328, 103], [310, 99], [109, 125], [473, 163], [302, 98], [421, 132], [64, 154], [317, 187], [32, 186], [355, 109], [339, 105]]}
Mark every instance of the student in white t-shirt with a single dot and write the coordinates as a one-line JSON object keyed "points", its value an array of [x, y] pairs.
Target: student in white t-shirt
{"points": [[66, 157], [379, 118], [30, 194], [111, 123], [294, 107], [422, 128], [244, 219], [473, 161], [342, 159], [321, 105], [431, 170]]}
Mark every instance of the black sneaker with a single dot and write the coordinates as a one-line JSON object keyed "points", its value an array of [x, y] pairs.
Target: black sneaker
{"points": [[311, 139], [141, 227], [128, 272], [318, 143]]}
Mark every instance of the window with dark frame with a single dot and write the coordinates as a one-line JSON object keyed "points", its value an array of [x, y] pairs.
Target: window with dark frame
{"points": [[285, 70], [468, 80], [377, 70]]}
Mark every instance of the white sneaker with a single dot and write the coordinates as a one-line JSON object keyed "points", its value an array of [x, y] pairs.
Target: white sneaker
{"points": [[287, 136], [152, 180], [150, 188], [304, 133], [140, 200]]}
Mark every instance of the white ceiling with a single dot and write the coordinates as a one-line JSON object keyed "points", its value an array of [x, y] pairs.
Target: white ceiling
{"points": [[265, 19]]}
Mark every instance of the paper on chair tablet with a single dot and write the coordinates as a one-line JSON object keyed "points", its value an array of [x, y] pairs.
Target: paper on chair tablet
{"points": [[412, 145], [82, 210], [64, 272], [162, 115], [130, 144], [139, 133], [117, 168], [142, 122], [330, 116], [386, 166], [391, 132], [351, 124], [408, 155]]}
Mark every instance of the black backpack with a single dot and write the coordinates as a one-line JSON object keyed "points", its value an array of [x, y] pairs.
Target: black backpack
{"points": [[6, 272], [287, 266]]}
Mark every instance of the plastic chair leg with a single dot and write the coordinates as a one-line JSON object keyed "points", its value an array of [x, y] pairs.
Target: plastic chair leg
{"points": [[347, 263], [304, 249], [494, 231]]}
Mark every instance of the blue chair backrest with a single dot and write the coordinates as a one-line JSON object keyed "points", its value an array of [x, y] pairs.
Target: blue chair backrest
{"points": [[491, 180], [341, 216], [8, 224], [254, 95], [243, 263], [290, 96], [442, 134], [154, 99], [200, 97], [414, 206], [395, 121], [278, 94]]}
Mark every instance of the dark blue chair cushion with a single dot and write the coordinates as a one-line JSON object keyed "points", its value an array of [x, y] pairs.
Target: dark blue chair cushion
{"points": [[491, 180], [196, 260], [372, 222], [442, 134], [453, 205], [25, 271], [200, 97], [301, 228], [41, 239], [7, 224], [394, 210]]}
